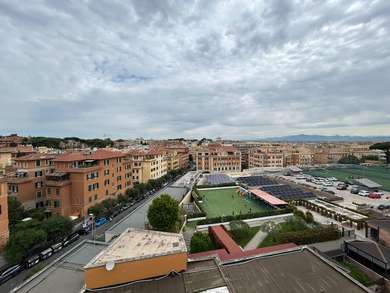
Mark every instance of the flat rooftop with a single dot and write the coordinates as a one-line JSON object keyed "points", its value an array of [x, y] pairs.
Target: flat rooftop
{"points": [[295, 271], [134, 244], [65, 274]]}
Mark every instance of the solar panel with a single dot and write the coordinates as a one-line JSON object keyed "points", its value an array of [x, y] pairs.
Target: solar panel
{"points": [[216, 179]]}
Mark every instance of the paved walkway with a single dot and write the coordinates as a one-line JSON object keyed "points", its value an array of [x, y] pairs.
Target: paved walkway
{"points": [[360, 234], [255, 241]]}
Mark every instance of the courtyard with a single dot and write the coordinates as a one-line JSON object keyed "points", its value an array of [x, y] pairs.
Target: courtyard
{"points": [[227, 201]]}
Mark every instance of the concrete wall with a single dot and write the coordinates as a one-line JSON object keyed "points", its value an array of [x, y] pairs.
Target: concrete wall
{"points": [[135, 270]]}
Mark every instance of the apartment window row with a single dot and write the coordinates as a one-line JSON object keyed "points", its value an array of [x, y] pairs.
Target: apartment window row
{"points": [[39, 184], [93, 186], [93, 175], [13, 188], [38, 173], [49, 191]]}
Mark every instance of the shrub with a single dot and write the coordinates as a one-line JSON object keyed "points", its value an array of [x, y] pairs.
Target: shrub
{"points": [[239, 229], [201, 242], [309, 236], [309, 217]]}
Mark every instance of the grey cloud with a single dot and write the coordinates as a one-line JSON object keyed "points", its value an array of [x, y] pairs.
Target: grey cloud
{"points": [[194, 68]]}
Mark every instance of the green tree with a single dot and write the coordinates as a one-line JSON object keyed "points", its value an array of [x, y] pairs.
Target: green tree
{"points": [[201, 242], [57, 228], [349, 159], [16, 211], [309, 217], [384, 146], [21, 242], [163, 213]]}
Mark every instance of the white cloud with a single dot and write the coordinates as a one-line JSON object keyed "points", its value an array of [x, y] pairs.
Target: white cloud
{"points": [[202, 68]]}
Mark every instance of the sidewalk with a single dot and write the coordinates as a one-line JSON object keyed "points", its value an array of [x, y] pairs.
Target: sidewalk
{"points": [[255, 241]]}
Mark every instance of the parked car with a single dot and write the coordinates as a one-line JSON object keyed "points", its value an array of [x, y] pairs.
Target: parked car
{"points": [[341, 186], [70, 239], [99, 222], [57, 247], [375, 195], [10, 272], [354, 190], [364, 193], [332, 179], [327, 183], [46, 253], [32, 261], [381, 207]]}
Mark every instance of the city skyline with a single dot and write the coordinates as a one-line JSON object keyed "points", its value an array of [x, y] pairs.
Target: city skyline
{"points": [[195, 69]]}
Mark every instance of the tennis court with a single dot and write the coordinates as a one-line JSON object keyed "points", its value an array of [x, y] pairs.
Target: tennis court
{"points": [[226, 201], [380, 175]]}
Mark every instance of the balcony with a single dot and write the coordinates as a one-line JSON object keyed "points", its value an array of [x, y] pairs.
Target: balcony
{"points": [[57, 179]]}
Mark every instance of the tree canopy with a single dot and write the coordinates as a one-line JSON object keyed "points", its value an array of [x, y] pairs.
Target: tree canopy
{"points": [[163, 213], [384, 146], [201, 242], [349, 159]]}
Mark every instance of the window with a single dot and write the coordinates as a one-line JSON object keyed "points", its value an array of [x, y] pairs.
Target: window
{"points": [[49, 191], [57, 191], [39, 194], [56, 203], [38, 163], [90, 199], [119, 187], [95, 196], [106, 172]]}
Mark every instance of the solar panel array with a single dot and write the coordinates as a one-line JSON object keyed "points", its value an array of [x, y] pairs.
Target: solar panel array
{"points": [[256, 181], [216, 179], [286, 192]]}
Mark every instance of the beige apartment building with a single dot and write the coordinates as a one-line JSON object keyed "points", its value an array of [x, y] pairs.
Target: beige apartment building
{"points": [[218, 158], [147, 164], [9, 154], [265, 157]]}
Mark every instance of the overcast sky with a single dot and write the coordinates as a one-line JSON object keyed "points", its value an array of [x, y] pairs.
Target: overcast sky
{"points": [[235, 69]]}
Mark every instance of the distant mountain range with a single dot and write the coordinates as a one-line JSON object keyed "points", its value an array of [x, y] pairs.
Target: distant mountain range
{"points": [[325, 138]]}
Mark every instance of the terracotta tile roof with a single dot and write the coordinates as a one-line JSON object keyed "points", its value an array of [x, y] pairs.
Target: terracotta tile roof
{"points": [[70, 157], [36, 156], [100, 154], [19, 148]]}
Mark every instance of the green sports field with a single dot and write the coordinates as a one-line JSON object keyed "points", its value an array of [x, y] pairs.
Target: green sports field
{"points": [[378, 174], [224, 202]]}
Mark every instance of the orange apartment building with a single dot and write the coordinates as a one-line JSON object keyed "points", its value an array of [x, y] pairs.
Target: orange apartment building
{"points": [[83, 179], [265, 157], [27, 183], [4, 232], [218, 157]]}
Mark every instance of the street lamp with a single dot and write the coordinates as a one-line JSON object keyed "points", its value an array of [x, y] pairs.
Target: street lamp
{"points": [[91, 217]]}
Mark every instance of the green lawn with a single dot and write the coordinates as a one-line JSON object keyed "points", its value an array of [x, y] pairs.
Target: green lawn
{"points": [[378, 174], [226, 201]]}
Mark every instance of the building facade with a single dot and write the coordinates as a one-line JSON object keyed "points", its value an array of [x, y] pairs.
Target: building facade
{"points": [[4, 232], [27, 183], [265, 157], [218, 158]]}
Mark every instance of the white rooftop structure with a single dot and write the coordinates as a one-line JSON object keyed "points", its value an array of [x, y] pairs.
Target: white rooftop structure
{"points": [[367, 183], [136, 244]]}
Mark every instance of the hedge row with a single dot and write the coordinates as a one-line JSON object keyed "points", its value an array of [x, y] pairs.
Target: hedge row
{"points": [[245, 216], [309, 236], [196, 215]]}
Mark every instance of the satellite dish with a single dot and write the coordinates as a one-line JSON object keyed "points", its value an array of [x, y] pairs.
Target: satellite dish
{"points": [[110, 265]]}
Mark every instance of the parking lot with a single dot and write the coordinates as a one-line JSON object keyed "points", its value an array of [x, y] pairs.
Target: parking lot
{"points": [[350, 200]]}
